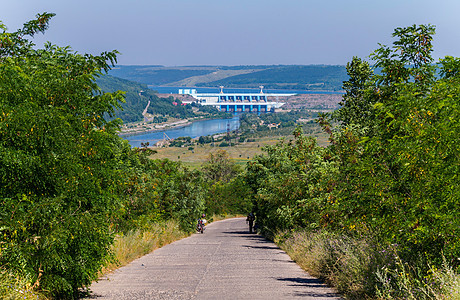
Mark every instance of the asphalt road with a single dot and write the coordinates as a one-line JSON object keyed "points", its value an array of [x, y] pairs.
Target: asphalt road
{"points": [[226, 262]]}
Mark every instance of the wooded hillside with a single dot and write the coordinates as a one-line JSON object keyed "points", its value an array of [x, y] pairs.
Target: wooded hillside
{"points": [[311, 77], [137, 96]]}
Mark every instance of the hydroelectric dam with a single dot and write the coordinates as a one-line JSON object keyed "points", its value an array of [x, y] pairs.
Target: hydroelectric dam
{"points": [[237, 102]]}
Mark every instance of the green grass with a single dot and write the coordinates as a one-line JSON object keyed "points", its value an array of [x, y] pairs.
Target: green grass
{"points": [[14, 287], [239, 154]]}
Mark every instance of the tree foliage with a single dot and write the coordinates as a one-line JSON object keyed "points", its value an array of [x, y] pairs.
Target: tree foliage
{"points": [[227, 191], [67, 181], [356, 104], [398, 179], [58, 161], [218, 167], [156, 190], [391, 170]]}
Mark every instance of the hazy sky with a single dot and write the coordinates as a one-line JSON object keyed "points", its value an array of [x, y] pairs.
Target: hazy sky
{"points": [[235, 32]]}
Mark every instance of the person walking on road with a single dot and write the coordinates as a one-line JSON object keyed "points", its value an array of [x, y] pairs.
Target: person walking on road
{"points": [[250, 219]]}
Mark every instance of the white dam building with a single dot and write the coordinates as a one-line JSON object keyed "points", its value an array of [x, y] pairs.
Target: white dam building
{"points": [[237, 102]]}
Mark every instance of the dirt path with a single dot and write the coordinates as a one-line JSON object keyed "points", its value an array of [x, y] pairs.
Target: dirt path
{"points": [[226, 262]]}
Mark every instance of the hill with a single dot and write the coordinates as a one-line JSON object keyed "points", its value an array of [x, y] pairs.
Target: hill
{"points": [[301, 77], [158, 75], [136, 95], [161, 109]]}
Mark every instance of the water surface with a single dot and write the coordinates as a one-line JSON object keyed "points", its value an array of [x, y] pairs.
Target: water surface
{"points": [[194, 130]]}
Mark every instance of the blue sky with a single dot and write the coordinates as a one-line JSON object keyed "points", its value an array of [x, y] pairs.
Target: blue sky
{"points": [[235, 32]]}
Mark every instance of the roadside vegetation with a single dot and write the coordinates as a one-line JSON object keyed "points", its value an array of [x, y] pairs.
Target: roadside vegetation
{"points": [[128, 246], [72, 191], [373, 209], [376, 212]]}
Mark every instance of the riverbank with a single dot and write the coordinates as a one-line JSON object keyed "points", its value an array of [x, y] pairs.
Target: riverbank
{"points": [[143, 127], [193, 128], [137, 128], [313, 102]]}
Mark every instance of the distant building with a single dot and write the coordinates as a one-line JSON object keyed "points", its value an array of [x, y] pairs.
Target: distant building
{"points": [[237, 102]]}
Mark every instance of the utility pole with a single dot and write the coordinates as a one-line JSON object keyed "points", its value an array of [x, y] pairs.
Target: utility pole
{"points": [[228, 131]]}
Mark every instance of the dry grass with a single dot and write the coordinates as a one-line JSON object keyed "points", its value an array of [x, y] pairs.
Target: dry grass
{"points": [[216, 218], [239, 153], [363, 270], [136, 243]]}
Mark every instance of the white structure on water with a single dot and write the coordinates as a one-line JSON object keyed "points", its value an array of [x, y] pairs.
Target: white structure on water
{"points": [[237, 102]]}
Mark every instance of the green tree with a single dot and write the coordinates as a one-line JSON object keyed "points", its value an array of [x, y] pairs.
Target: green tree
{"points": [[292, 184], [357, 103], [218, 167], [390, 172], [59, 161], [227, 191], [396, 180]]}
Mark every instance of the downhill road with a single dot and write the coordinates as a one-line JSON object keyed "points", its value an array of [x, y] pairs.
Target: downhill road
{"points": [[226, 262]]}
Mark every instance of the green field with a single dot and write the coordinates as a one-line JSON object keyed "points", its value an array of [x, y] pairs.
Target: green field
{"points": [[240, 153]]}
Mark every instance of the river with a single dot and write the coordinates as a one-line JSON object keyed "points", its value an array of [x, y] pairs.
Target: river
{"points": [[194, 130]]}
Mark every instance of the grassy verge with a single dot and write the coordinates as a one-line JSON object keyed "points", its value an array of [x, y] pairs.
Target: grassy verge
{"points": [[136, 243], [360, 269], [127, 247], [14, 287], [216, 218]]}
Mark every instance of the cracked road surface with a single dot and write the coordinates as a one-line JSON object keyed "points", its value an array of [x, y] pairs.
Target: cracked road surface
{"points": [[226, 262]]}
